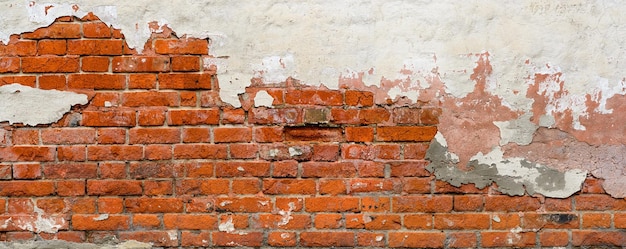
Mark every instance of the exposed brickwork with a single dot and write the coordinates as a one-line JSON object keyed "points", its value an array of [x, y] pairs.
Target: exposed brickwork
{"points": [[156, 157]]}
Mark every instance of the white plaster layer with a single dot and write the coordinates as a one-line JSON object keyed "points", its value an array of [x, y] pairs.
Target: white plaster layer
{"points": [[31, 106], [328, 40], [263, 98]]}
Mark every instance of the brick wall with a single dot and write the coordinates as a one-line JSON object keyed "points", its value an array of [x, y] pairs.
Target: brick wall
{"points": [[155, 156]]}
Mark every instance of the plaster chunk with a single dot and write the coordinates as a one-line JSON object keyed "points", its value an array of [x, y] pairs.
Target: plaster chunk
{"points": [[31, 106], [514, 176], [263, 98]]}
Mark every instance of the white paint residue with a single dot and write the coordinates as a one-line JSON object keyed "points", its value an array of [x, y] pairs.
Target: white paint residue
{"points": [[379, 238], [496, 218], [519, 131], [275, 69], [173, 235], [263, 98], [224, 203], [294, 151], [284, 235], [23, 104], [241, 169], [101, 217], [227, 226], [43, 223], [286, 215], [442, 140]]}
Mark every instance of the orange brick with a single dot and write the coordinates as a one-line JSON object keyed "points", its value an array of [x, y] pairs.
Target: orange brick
{"points": [[140, 64], [186, 81], [50, 64], [97, 81], [51, 47], [55, 31], [417, 239], [406, 133], [427, 204], [151, 116], [114, 187], [327, 239], [95, 64], [153, 205], [268, 134], [359, 98], [96, 30], [142, 81], [185, 63], [52, 81], [328, 221], [70, 170], [462, 221], [314, 97], [332, 204], [359, 134], [288, 186], [232, 134], [200, 151], [109, 118], [190, 221], [182, 46], [94, 47], [242, 168], [154, 135], [96, 222], [193, 117], [507, 239]]}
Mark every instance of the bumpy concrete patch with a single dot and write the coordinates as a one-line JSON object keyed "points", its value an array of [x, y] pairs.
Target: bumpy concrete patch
{"points": [[514, 176], [31, 106]]}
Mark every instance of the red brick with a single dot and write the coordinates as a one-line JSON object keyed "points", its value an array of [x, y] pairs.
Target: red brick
{"points": [[415, 151], [332, 204], [233, 116], [341, 116], [96, 30], [112, 170], [285, 168], [155, 238], [325, 152], [462, 221], [195, 238], [268, 134], [71, 188], [9, 65], [114, 152], [193, 117], [142, 81], [82, 205], [313, 134], [276, 221], [50, 64], [288, 186], [185, 63], [368, 185], [359, 98], [591, 220], [189, 81], [426, 204], [109, 118], [20, 236], [200, 151], [52, 81], [597, 202], [188, 98], [232, 134], [202, 187], [154, 135], [249, 239], [140, 64], [190, 221], [26, 153], [242, 168], [18, 48], [367, 239], [158, 188], [275, 116], [106, 99], [68, 136], [200, 169], [151, 117], [97, 81], [511, 204], [243, 204], [182, 46], [554, 238], [243, 151], [111, 136], [94, 222], [359, 134], [95, 64], [386, 151], [370, 169], [196, 135], [281, 239], [507, 239], [417, 239], [158, 152], [332, 187], [327, 239], [52, 47], [468, 203], [114, 187], [537, 221], [25, 136], [146, 221], [246, 186], [598, 238], [406, 115], [69, 236], [462, 240], [314, 97], [94, 47], [111, 205], [374, 116], [22, 80], [55, 31], [20, 206], [70, 170], [406, 133], [153, 205], [418, 221], [417, 185], [328, 169], [145, 170], [5, 172], [51, 205], [375, 204], [444, 187], [409, 168]]}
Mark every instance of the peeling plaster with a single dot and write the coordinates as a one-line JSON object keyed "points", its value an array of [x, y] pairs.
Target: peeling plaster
{"points": [[22, 104], [513, 175], [263, 98]]}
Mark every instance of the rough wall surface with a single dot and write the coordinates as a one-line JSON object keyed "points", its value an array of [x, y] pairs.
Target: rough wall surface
{"points": [[313, 124]]}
